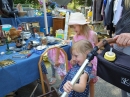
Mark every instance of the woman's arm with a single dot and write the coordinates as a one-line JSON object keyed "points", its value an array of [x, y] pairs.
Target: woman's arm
{"points": [[73, 41], [95, 39], [123, 39]]}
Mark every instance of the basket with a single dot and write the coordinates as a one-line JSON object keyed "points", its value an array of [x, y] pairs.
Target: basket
{"points": [[22, 13]]}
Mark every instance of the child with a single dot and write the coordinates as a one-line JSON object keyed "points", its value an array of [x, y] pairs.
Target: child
{"points": [[57, 60], [81, 88], [78, 22]]}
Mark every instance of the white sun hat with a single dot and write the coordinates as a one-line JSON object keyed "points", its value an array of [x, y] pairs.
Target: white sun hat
{"points": [[77, 18]]}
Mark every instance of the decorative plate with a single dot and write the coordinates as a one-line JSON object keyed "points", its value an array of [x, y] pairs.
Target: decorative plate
{"points": [[41, 47], [6, 62], [24, 52]]}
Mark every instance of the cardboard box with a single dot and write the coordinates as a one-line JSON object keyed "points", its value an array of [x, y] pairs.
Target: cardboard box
{"points": [[60, 35]]}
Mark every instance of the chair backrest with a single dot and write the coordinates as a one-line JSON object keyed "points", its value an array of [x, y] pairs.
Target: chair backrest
{"points": [[41, 59]]}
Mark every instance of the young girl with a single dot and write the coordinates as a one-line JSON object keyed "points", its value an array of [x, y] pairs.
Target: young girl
{"points": [[57, 60], [81, 88], [82, 32]]}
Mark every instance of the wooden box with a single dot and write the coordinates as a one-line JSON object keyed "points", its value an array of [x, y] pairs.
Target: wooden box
{"points": [[58, 23]]}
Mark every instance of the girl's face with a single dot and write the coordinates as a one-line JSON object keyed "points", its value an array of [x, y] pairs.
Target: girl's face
{"points": [[76, 29], [78, 57]]}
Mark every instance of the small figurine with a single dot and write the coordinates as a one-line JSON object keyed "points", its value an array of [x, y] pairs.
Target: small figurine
{"points": [[8, 37], [30, 45], [18, 43], [2, 36]]}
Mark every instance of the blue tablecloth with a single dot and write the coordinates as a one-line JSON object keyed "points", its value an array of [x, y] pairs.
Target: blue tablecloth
{"points": [[23, 72], [14, 22]]}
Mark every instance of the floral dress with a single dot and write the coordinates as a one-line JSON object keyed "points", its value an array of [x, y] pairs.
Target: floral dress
{"points": [[70, 75], [61, 70]]}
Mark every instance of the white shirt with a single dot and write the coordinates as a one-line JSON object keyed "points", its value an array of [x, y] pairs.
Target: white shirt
{"points": [[117, 11]]}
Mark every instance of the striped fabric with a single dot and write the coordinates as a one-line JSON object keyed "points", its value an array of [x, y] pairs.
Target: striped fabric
{"points": [[44, 70]]}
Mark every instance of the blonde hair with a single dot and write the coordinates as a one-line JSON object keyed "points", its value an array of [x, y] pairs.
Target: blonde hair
{"points": [[82, 46], [127, 4], [85, 30]]}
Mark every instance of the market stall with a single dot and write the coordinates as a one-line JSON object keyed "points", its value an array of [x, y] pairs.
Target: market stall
{"points": [[15, 22], [19, 72]]}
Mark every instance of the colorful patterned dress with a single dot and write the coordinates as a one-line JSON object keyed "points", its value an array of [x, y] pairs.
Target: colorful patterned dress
{"points": [[51, 57]]}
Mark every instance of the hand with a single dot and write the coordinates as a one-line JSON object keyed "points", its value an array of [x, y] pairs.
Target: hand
{"points": [[57, 64], [123, 39], [67, 41], [72, 62], [67, 87]]}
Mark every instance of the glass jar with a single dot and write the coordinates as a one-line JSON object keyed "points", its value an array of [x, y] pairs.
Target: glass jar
{"points": [[44, 41]]}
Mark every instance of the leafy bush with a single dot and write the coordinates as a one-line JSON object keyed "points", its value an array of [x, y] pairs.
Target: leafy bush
{"points": [[82, 2], [26, 2]]}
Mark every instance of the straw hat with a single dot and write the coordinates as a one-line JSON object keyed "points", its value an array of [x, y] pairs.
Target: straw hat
{"points": [[77, 18]]}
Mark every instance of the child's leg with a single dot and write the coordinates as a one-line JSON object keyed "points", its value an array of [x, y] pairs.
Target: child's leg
{"points": [[53, 79], [62, 77], [91, 84], [53, 71], [61, 71]]}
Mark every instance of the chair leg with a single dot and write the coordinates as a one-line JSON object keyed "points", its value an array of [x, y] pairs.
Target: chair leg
{"points": [[38, 82], [46, 87], [12, 94], [55, 94], [34, 90], [52, 93]]}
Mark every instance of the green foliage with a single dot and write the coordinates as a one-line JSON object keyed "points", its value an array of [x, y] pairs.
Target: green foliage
{"points": [[34, 2], [19, 1], [82, 2]]}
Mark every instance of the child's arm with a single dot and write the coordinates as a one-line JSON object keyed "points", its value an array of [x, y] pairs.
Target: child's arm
{"points": [[57, 57], [78, 87], [73, 41], [95, 38]]}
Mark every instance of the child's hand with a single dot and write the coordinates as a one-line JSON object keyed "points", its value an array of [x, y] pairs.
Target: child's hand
{"points": [[72, 62], [67, 41], [57, 64], [67, 87]]}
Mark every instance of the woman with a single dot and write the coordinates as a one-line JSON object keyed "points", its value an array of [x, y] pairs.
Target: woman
{"points": [[123, 34]]}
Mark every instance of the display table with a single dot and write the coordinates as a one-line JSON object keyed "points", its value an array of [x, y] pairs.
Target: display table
{"points": [[15, 22], [23, 72]]}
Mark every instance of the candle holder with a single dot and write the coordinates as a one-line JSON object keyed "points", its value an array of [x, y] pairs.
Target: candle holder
{"points": [[2, 37], [32, 30]]}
